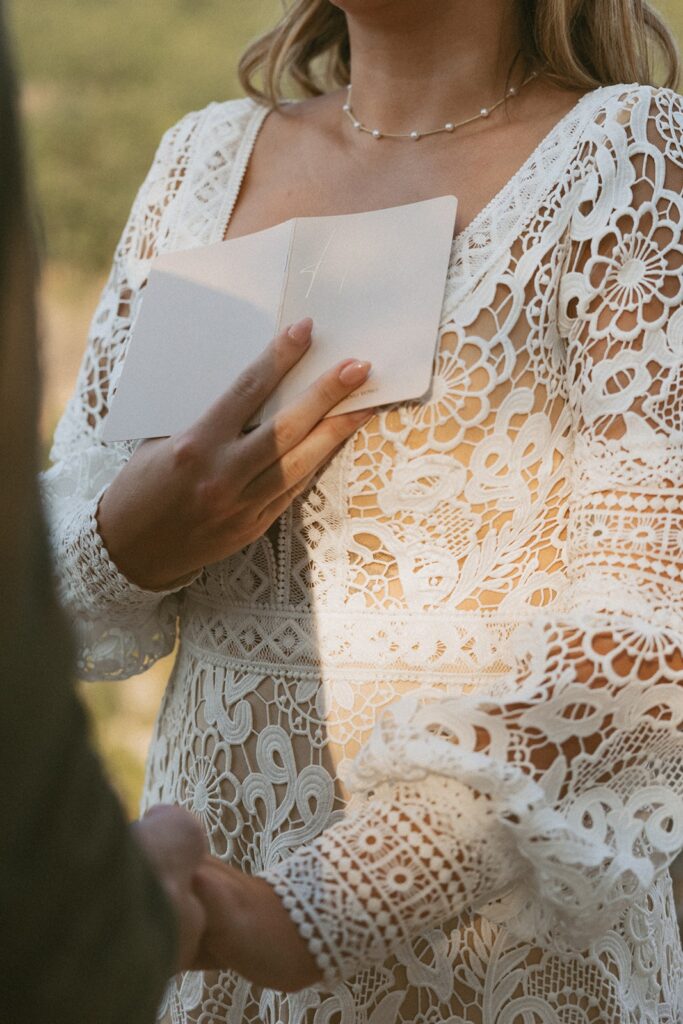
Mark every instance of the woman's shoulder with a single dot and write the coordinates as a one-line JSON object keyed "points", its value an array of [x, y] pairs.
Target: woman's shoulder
{"points": [[631, 156], [626, 95], [235, 113], [229, 117], [639, 114]]}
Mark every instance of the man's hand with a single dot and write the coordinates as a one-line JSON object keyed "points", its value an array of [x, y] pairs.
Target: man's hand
{"points": [[248, 930], [175, 845]]}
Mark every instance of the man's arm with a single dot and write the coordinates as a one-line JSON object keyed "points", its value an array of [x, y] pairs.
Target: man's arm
{"points": [[87, 934]]}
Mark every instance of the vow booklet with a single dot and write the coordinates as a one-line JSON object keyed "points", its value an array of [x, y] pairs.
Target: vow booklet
{"points": [[372, 282]]}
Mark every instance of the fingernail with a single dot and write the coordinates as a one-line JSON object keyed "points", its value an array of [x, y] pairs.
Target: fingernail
{"points": [[354, 373], [301, 331]]}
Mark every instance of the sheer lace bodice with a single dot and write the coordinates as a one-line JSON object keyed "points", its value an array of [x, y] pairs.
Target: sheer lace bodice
{"points": [[439, 707]]}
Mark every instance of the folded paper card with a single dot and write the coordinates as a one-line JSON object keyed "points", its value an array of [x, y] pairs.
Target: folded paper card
{"points": [[373, 283]]}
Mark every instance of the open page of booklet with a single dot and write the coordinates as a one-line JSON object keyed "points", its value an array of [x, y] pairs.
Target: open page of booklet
{"points": [[373, 283]]}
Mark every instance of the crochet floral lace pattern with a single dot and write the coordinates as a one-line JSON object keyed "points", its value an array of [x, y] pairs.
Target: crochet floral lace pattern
{"points": [[439, 707]]}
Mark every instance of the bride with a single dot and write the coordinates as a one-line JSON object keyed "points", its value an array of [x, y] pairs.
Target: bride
{"points": [[431, 718]]}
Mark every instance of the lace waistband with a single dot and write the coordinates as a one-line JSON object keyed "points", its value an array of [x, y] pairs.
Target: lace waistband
{"points": [[315, 643]]}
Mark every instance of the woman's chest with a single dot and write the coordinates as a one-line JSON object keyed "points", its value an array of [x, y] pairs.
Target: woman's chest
{"points": [[455, 501], [457, 498], [292, 174]]}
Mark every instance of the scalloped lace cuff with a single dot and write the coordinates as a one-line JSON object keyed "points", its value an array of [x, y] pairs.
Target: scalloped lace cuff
{"points": [[376, 879], [90, 582]]}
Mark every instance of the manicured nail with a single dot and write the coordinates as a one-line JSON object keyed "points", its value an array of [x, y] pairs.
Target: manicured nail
{"points": [[301, 331], [354, 373]]}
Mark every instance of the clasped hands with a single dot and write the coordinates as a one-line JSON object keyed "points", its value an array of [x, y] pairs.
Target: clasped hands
{"points": [[226, 919]]}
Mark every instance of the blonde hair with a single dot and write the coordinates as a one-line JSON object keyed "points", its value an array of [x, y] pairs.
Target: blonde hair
{"points": [[579, 44]]}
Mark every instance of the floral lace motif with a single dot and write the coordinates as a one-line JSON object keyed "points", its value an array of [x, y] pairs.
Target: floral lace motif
{"points": [[442, 713]]}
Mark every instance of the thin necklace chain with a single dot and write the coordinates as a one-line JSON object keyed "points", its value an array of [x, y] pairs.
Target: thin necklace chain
{"points": [[450, 126]]}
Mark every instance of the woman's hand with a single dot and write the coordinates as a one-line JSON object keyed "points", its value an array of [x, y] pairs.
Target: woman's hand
{"points": [[186, 501], [248, 930]]}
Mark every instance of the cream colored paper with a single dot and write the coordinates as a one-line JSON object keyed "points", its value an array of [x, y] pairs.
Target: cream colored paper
{"points": [[373, 283]]}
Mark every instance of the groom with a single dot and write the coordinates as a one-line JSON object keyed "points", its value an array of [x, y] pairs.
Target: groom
{"points": [[94, 916]]}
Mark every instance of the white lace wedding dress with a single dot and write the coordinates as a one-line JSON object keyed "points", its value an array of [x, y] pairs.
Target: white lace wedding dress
{"points": [[441, 710]]}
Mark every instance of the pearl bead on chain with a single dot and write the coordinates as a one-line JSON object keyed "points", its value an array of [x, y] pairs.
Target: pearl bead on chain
{"points": [[450, 126]]}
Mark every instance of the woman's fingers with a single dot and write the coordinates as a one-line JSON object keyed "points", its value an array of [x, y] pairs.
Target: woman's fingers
{"points": [[273, 511], [302, 461], [283, 432], [228, 415]]}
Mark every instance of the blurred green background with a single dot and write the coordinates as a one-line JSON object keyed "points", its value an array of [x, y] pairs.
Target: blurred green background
{"points": [[102, 80]]}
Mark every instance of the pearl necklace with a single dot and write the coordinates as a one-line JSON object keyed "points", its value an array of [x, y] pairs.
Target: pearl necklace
{"points": [[450, 126]]}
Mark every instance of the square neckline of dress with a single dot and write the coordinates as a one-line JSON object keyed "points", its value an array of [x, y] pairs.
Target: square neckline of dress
{"points": [[459, 241]]}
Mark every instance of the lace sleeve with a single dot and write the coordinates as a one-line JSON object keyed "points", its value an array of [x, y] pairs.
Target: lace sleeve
{"points": [[554, 808], [122, 628]]}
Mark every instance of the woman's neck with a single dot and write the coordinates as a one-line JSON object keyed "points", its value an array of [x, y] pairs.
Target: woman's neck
{"points": [[419, 63]]}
